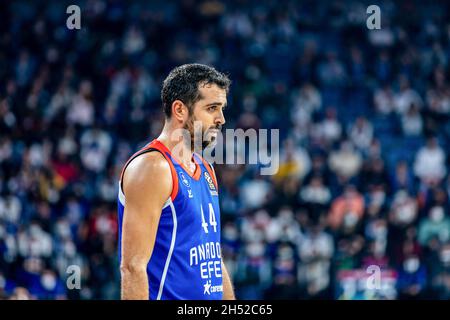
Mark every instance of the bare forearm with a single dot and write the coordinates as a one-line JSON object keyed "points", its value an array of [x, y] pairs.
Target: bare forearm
{"points": [[134, 285], [228, 292]]}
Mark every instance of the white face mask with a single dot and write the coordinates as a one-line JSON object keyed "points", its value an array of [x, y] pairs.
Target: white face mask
{"points": [[285, 253], [48, 281], [401, 197], [63, 229], [411, 265], [350, 220], [230, 233], [445, 256], [285, 216], [437, 214], [255, 250], [378, 197], [380, 232], [35, 231], [405, 214], [69, 249]]}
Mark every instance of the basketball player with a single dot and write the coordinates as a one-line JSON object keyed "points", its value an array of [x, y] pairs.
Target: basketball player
{"points": [[168, 208]]}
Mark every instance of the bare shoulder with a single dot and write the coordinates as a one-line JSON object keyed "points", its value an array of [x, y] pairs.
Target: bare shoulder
{"points": [[149, 172]]}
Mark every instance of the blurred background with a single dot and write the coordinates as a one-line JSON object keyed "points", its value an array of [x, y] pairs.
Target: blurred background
{"points": [[364, 133]]}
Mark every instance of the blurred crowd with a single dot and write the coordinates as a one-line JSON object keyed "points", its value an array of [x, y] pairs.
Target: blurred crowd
{"points": [[364, 127]]}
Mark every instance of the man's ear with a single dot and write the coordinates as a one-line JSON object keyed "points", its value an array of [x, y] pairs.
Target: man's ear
{"points": [[180, 111]]}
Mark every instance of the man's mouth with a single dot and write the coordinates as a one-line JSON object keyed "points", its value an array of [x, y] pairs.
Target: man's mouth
{"points": [[214, 130]]}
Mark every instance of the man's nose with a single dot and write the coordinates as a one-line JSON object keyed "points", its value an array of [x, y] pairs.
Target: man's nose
{"points": [[221, 119]]}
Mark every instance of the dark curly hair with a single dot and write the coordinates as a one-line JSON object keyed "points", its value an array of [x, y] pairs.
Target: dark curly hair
{"points": [[183, 82]]}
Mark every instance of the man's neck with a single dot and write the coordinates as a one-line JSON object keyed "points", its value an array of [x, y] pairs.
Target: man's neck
{"points": [[183, 152]]}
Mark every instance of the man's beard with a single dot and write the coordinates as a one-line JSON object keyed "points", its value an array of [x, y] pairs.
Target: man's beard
{"points": [[197, 135]]}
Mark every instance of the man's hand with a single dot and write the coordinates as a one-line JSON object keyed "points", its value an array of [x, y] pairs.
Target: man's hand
{"points": [[228, 292]]}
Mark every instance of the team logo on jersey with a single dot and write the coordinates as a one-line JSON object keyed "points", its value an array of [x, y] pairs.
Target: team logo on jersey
{"points": [[212, 187], [184, 179], [208, 288], [185, 182]]}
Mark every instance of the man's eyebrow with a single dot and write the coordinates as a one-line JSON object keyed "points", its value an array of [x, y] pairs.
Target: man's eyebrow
{"points": [[215, 104]]}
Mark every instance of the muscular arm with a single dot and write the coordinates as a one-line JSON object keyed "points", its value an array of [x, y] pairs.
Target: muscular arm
{"points": [[228, 293], [147, 184]]}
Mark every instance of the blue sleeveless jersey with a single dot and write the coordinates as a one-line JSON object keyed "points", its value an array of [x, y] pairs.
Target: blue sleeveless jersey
{"points": [[186, 259]]}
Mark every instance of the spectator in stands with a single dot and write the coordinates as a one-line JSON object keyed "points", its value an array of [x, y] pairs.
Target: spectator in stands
{"points": [[345, 162], [361, 133], [406, 96], [346, 210], [315, 252], [412, 278], [429, 164], [435, 227]]}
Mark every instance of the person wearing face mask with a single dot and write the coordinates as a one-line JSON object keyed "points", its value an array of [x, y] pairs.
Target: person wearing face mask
{"points": [[412, 278], [48, 287], [403, 209], [346, 210], [402, 217], [284, 284], [436, 225], [252, 270], [441, 281]]}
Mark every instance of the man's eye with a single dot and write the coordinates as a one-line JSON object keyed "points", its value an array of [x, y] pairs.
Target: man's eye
{"points": [[213, 108]]}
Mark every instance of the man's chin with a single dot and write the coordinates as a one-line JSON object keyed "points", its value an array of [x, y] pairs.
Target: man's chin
{"points": [[205, 144], [212, 143], [211, 139]]}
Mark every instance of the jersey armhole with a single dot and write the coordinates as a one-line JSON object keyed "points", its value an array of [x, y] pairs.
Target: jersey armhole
{"points": [[172, 171]]}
